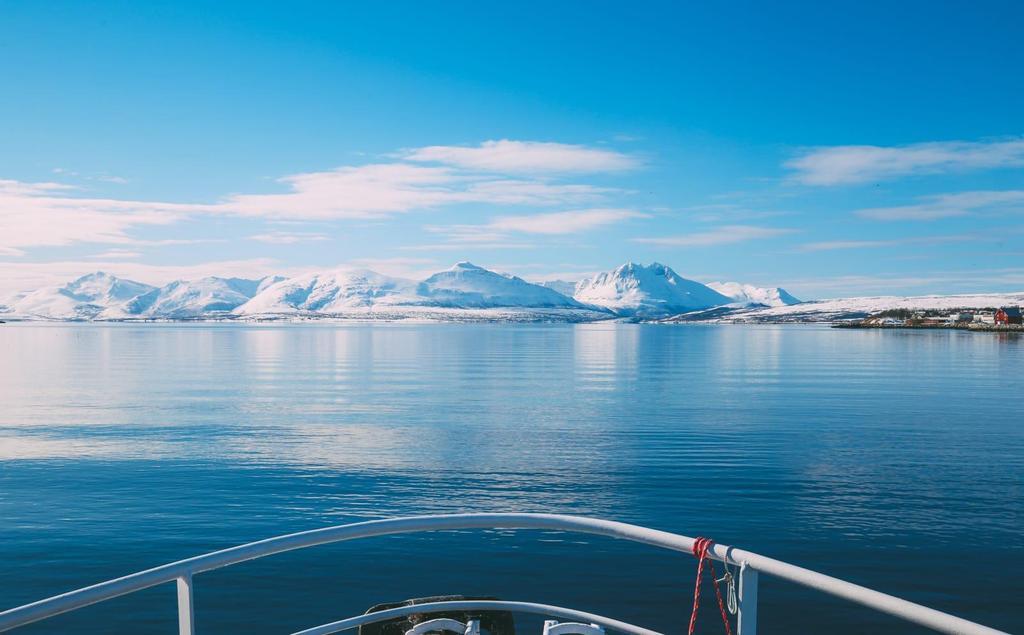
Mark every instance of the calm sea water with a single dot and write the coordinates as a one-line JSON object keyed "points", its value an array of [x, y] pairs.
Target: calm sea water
{"points": [[892, 459]]}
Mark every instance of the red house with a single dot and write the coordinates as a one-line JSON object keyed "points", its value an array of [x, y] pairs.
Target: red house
{"points": [[1008, 315]]}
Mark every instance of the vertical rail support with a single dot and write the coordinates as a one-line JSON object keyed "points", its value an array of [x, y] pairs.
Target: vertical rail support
{"points": [[746, 622], [186, 616]]}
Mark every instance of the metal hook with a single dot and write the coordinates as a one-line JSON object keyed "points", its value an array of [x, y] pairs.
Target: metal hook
{"points": [[731, 602], [727, 575]]}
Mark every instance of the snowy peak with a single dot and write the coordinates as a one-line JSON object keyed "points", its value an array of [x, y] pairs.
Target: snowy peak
{"points": [[194, 298], [465, 265], [637, 290], [266, 282], [94, 295], [468, 286], [749, 294], [103, 296], [330, 292], [104, 288], [462, 286]]}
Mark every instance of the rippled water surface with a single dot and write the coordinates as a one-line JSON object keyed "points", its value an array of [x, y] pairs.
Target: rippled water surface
{"points": [[893, 459]]}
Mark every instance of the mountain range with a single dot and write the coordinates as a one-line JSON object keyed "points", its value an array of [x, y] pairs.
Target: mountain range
{"points": [[464, 291]]}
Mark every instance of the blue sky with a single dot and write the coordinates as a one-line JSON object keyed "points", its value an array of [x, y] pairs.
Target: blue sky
{"points": [[833, 149]]}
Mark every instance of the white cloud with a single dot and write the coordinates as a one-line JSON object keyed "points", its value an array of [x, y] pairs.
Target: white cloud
{"points": [[497, 233], [43, 214], [457, 245], [536, 193], [525, 157], [384, 189], [166, 242], [117, 254], [730, 212], [840, 165], [949, 205], [832, 245], [106, 178], [724, 235], [54, 214], [10, 187], [507, 173], [369, 191], [477, 234], [288, 238], [569, 222]]}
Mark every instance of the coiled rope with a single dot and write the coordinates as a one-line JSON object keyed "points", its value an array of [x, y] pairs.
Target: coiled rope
{"points": [[700, 550]]}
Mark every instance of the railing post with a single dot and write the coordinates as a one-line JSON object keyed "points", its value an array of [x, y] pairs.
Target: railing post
{"points": [[186, 616], [746, 622]]}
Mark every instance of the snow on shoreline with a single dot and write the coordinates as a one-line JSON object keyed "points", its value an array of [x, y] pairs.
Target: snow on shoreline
{"points": [[849, 308]]}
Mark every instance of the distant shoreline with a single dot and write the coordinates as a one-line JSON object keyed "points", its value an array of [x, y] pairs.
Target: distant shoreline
{"points": [[998, 328]]}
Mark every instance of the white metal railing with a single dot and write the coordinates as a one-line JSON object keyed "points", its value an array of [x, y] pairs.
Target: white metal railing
{"points": [[751, 564]]}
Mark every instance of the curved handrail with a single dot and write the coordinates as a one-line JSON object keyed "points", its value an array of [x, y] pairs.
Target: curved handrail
{"points": [[72, 600], [475, 605]]}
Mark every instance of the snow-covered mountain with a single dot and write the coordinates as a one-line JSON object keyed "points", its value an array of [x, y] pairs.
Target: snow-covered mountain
{"points": [[468, 286], [96, 295], [465, 292], [101, 296], [749, 294], [194, 298], [269, 280], [330, 292], [654, 290], [362, 293]]}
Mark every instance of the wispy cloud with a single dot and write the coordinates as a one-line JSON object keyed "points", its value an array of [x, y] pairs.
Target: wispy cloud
{"points": [[104, 177], [833, 245], [500, 232], [525, 157], [461, 246], [46, 214], [949, 205], [841, 165], [368, 191], [724, 235], [569, 222], [288, 238], [117, 254], [507, 173], [730, 212]]}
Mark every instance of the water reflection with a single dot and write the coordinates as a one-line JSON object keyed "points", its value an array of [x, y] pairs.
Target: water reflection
{"points": [[604, 354]]}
